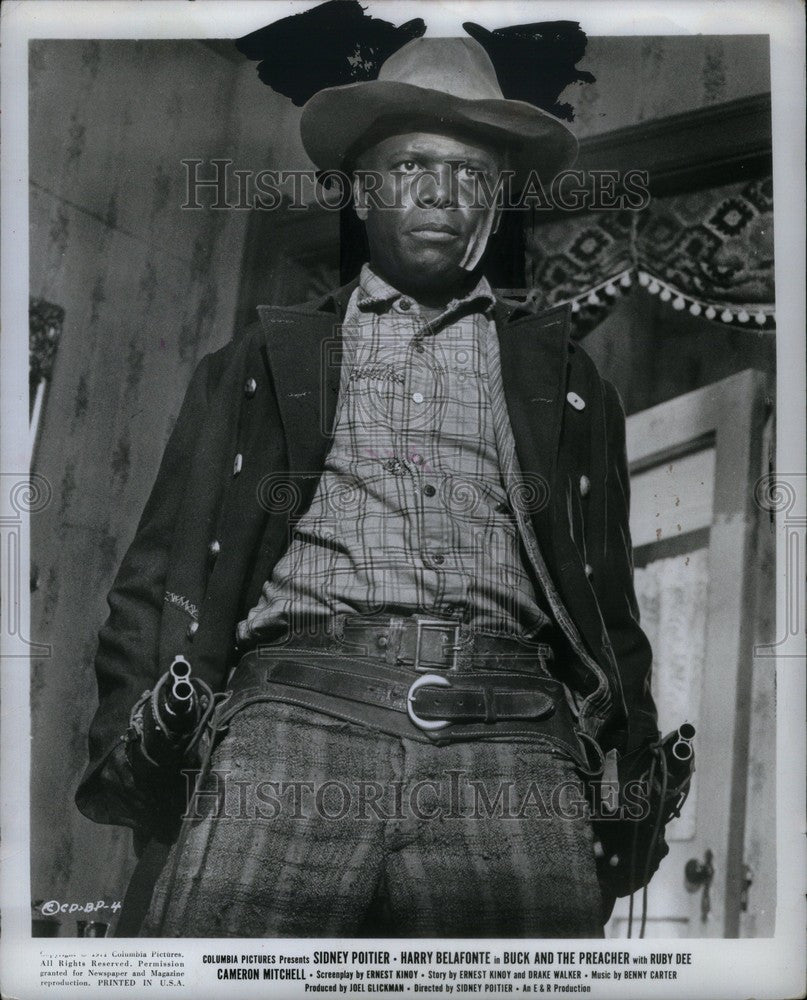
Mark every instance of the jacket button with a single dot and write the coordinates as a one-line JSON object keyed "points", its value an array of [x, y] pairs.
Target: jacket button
{"points": [[237, 464], [576, 401], [589, 571], [214, 548], [585, 486], [193, 628], [250, 388]]}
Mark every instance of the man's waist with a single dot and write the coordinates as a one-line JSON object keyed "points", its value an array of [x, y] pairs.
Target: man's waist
{"points": [[418, 641], [456, 685]]}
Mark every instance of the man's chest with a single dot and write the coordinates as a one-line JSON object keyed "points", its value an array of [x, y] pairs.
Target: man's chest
{"points": [[416, 393]]}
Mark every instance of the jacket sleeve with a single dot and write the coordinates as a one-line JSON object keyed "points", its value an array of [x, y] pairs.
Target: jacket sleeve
{"points": [[126, 663], [616, 595]]}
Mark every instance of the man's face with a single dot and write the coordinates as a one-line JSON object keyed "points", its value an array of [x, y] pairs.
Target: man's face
{"points": [[424, 242]]}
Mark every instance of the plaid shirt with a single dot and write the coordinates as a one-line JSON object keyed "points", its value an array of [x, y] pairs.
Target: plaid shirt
{"points": [[410, 515]]}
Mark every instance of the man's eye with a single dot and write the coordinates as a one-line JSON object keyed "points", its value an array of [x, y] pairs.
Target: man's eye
{"points": [[467, 171], [407, 166]]}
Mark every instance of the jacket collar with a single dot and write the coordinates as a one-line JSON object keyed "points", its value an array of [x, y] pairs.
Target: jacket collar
{"points": [[336, 302], [302, 346]]}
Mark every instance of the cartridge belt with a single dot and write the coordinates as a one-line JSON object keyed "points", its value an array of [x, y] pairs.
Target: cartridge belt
{"points": [[502, 695]]}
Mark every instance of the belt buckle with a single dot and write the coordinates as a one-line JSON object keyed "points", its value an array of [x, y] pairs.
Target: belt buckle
{"points": [[422, 624], [426, 724]]}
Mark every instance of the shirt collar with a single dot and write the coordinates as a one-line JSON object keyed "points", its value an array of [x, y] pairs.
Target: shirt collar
{"points": [[377, 294]]}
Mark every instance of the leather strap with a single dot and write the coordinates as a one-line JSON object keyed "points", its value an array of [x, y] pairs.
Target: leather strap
{"points": [[417, 641], [480, 704]]}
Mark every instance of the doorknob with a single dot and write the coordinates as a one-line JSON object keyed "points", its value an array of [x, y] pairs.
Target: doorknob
{"points": [[697, 872], [700, 873]]}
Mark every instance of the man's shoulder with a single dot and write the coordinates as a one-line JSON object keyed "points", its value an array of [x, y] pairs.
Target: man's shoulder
{"points": [[558, 318], [248, 337], [582, 370]]}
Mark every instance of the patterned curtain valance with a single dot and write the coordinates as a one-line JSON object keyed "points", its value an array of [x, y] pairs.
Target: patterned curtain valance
{"points": [[709, 251]]}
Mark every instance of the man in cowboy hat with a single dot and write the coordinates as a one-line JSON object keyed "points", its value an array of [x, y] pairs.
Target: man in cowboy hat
{"points": [[409, 503]]}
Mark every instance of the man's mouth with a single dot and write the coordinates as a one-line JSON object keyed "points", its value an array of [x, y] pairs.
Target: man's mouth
{"points": [[437, 232]]}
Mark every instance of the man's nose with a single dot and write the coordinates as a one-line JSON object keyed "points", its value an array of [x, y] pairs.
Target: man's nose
{"points": [[437, 188]]}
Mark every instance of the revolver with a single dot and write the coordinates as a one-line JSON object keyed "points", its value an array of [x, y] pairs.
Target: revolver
{"points": [[166, 723]]}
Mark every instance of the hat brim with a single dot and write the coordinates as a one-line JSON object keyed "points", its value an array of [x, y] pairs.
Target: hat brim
{"points": [[334, 122]]}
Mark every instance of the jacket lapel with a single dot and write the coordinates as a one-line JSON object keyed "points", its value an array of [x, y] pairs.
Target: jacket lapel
{"points": [[534, 352], [302, 348]]}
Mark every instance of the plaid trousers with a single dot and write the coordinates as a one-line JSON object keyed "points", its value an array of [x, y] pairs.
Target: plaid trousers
{"points": [[308, 826]]}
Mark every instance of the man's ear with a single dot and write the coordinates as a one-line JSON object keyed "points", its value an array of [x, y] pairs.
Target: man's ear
{"points": [[359, 197]]}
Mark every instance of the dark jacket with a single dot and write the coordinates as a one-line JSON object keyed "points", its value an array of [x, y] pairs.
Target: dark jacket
{"points": [[215, 524]]}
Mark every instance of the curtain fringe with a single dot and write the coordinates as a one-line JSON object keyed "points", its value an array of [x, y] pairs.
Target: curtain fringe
{"points": [[622, 281]]}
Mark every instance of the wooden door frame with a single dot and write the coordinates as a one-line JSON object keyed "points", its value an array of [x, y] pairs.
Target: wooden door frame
{"points": [[730, 416]]}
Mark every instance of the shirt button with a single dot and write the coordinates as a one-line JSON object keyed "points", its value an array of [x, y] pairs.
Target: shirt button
{"points": [[429, 490], [239, 461], [585, 486], [417, 397], [576, 401], [193, 628], [250, 388], [214, 548], [501, 508], [382, 641], [438, 558], [404, 305]]}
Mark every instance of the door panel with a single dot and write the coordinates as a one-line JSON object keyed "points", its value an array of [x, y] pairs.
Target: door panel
{"points": [[660, 509], [694, 461]]}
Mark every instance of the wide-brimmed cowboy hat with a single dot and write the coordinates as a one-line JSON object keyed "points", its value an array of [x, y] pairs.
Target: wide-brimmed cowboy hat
{"points": [[429, 84]]}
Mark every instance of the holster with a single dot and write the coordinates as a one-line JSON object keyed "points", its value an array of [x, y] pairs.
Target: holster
{"points": [[157, 757], [631, 807]]}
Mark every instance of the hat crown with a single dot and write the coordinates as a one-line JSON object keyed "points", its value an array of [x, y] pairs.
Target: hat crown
{"points": [[444, 81], [456, 66]]}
